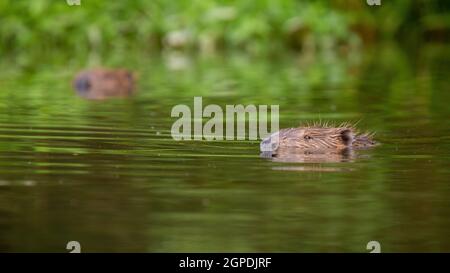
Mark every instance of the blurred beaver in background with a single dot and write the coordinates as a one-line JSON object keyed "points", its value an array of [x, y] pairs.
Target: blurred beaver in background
{"points": [[316, 142], [102, 83]]}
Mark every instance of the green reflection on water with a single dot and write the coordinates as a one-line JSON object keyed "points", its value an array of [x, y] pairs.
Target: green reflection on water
{"points": [[108, 174]]}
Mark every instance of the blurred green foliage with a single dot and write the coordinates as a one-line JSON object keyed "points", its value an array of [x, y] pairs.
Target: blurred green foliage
{"points": [[207, 25]]}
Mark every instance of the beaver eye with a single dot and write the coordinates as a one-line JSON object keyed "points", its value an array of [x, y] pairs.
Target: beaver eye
{"points": [[307, 137]]}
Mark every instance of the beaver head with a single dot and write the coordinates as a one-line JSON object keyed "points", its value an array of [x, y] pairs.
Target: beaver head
{"points": [[102, 83], [316, 139]]}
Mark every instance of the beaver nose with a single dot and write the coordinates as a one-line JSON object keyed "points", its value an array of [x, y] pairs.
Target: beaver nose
{"points": [[102, 83], [82, 84]]}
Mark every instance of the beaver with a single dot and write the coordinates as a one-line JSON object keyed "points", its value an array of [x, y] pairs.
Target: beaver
{"points": [[316, 139], [101, 83]]}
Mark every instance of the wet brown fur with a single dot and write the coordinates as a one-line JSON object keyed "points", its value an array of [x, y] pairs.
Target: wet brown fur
{"points": [[320, 138]]}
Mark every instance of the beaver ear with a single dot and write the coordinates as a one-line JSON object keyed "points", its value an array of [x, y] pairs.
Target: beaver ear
{"points": [[347, 137]]}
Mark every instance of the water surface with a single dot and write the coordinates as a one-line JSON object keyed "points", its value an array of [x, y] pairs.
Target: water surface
{"points": [[109, 175]]}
